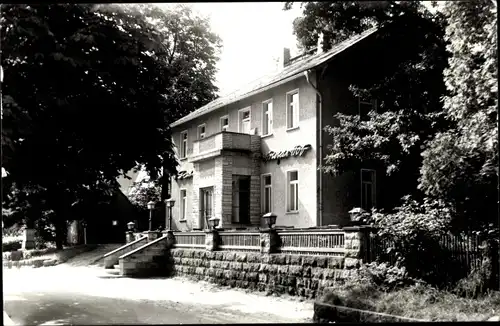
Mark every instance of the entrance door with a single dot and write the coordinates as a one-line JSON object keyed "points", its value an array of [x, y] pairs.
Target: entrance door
{"points": [[241, 199], [206, 200]]}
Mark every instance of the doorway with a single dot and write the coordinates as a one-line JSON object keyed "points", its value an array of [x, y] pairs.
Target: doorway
{"points": [[206, 206], [241, 199]]}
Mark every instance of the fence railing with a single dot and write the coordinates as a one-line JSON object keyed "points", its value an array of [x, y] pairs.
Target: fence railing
{"points": [[240, 241], [320, 242], [189, 239]]}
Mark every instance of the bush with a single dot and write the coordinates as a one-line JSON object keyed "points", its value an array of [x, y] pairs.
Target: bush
{"points": [[413, 232], [11, 244]]}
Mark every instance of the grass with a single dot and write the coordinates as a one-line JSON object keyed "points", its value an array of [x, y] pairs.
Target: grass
{"points": [[418, 301]]}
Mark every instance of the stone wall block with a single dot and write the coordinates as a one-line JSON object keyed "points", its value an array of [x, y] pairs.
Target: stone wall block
{"points": [[322, 262], [336, 262], [241, 257], [294, 260], [307, 272], [295, 270], [351, 263], [283, 269]]}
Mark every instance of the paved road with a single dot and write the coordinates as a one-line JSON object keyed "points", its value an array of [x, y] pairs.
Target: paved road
{"points": [[77, 296], [42, 308]]}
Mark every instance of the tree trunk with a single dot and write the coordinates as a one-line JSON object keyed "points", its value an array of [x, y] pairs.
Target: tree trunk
{"points": [[59, 224]]}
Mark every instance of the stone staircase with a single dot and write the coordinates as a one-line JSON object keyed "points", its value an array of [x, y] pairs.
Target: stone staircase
{"points": [[146, 256]]}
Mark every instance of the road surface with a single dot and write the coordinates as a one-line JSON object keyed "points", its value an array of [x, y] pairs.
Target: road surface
{"points": [[81, 296]]}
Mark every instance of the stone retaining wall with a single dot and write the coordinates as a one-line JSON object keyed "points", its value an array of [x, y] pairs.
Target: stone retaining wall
{"points": [[301, 275]]}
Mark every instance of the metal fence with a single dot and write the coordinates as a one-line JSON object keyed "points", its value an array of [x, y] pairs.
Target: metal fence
{"points": [[189, 239], [318, 242], [240, 241]]}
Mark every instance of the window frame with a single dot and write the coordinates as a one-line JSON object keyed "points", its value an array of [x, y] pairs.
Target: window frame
{"points": [[221, 126], [183, 204], [372, 102], [184, 145], [263, 192], [270, 118], [296, 113], [374, 187], [240, 120], [204, 125], [288, 183]]}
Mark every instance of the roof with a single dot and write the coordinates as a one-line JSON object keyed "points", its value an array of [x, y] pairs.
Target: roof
{"points": [[292, 71]]}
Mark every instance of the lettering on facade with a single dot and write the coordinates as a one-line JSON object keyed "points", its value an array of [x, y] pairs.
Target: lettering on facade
{"points": [[184, 175], [296, 151]]}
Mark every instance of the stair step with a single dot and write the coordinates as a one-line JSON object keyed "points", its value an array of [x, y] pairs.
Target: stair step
{"points": [[113, 271], [117, 266]]}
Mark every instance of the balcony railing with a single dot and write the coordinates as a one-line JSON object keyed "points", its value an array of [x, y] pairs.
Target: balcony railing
{"points": [[212, 145]]}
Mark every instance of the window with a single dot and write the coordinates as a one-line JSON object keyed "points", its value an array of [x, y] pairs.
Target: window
{"points": [[267, 201], [244, 121], [367, 189], [183, 198], [267, 118], [201, 131], [184, 143], [224, 123], [292, 109], [293, 191], [365, 106]]}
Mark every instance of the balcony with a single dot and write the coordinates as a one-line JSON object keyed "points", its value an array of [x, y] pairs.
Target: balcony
{"points": [[213, 145]]}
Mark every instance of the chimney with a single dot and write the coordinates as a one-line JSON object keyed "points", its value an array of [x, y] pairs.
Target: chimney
{"points": [[284, 58], [319, 48]]}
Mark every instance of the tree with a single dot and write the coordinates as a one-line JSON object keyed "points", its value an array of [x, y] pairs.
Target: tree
{"points": [[460, 165], [408, 90], [93, 97]]}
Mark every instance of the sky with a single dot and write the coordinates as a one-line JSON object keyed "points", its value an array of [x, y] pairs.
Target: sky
{"points": [[253, 34]]}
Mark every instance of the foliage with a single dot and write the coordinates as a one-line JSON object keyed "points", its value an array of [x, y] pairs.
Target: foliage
{"points": [[419, 300], [143, 192], [93, 70], [11, 244], [461, 164], [408, 89], [383, 276], [412, 233]]}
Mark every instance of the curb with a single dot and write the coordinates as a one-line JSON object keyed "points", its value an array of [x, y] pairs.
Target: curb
{"points": [[7, 321]]}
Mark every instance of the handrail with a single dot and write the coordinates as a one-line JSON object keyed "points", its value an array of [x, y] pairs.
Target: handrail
{"points": [[142, 247], [124, 246]]}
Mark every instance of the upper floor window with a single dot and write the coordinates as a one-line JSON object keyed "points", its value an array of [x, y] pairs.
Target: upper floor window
{"points": [[224, 123], [368, 189], [292, 109], [365, 106], [201, 131], [244, 121], [267, 117], [184, 143], [293, 191]]}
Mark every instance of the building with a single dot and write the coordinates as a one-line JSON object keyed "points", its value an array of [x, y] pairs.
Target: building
{"points": [[258, 149]]}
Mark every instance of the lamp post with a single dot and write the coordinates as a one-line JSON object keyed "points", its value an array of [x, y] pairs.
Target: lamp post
{"points": [[269, 219], [84, 224], [269, 238], [151, 206], [213, 222], [170, 204], [130, 233]]}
